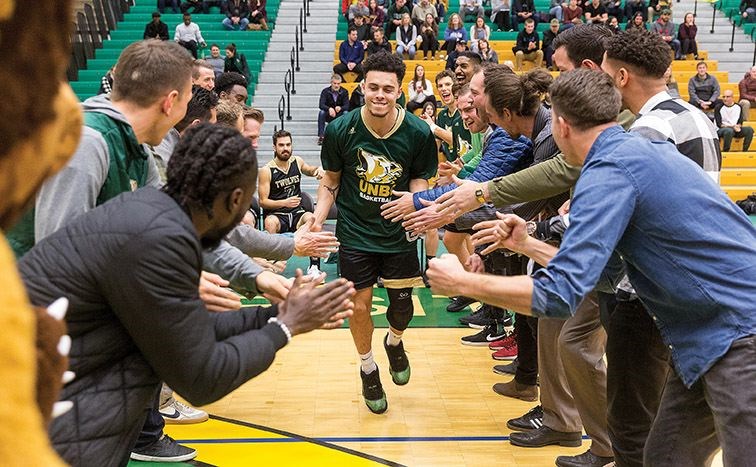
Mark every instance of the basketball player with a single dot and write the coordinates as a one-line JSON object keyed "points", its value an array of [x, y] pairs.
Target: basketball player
{"points": [[367, 155]]}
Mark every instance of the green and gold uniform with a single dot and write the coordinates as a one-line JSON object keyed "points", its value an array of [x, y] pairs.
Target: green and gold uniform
{"points": [[371, 168], [461, 138]]}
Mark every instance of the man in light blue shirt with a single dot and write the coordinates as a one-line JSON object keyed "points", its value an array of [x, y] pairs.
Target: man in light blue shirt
{"points": [[690, 253]]}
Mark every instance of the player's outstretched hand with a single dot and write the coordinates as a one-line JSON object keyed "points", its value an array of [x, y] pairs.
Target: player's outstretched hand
{"points": [[425, 219], [506, 232], [396, 210], [311, 307], [314, 242]]}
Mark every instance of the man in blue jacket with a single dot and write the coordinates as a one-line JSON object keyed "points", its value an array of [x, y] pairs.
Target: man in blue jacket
{"points": [[351, 53], [334, 101]]}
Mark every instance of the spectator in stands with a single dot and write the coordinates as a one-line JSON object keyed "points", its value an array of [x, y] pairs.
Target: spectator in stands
{"points": [[406, 37], [237, 16], [356, 9], [465, 66], [636, 22], [357, 99], [196, 5], [672, 88], [455, 31], [555, 9], [500, 15], [334, 101], [729, 118], [595, 12], [429, 36], [156, 29], [222, 4], [470, 8], [614, 8], [748, 10], [521, 11], [479, 31], [215, 60], [657, 7], [421, 10], [351, 53], [666, 28], [363, 29], [232, 86], [613, 24], [571, 15], [379, 44], [106, 82], [528, 46], [203, 75], [747, 88], [429, 110], [419, 90], [230, 114], [377, 15], [632, 7], [258, 15], [487, 54], [188, 35], [253, 121], [235, 62], [703, 89], [548, 38], [442, 6], [394, 16], [174, 5], [686, 34], [451, 59]]}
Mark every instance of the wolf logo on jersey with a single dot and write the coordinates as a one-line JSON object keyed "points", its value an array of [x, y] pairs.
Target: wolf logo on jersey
{"points": [[377, 176]]}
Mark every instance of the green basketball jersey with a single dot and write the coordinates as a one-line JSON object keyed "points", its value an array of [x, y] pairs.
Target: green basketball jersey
{"points": [[371, 168], [461, 138]]}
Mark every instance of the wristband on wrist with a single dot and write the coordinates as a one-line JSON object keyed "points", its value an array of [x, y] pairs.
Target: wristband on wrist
{"points": [[283, 327], [433, 128]]}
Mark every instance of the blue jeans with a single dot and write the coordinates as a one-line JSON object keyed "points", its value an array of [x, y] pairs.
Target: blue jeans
{"points": [[410, 51], [152, 430], [556, 12], [323, 118], [242, 26]]}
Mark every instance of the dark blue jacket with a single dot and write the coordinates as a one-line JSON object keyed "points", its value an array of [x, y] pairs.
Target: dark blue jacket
{"points": [[351, 53]]}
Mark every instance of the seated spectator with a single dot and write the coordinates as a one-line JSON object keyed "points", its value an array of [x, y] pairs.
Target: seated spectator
{"points": [[236, 62], [429, 37], [521, 11], [571, 15], [442, 6], [429, 111], [614, 8], [455, 31], [419, 90], [196, 5], [555, 9], [156, 29], [174, 5], [357, 99], [748, 10], [237, 16], [632, 7], [470, 8], [363, 29], [394, 16], [406, 37], [359, 8], [377, 16], [232, 86], [657, 7], [451, 59], [672, 88], [379, 44], [222, 4], [188, 35], [479, 31], [487, 54], [595, 12], [500, 15], [729, 118], [613, 25], [686, 34], [258, 15], [215, 60], [528, 46], [334, 101], [636, 22], [203, 75], [703, 89], [421, 10], [666, 28], [747, 88], [548, 38], [351, 53]]}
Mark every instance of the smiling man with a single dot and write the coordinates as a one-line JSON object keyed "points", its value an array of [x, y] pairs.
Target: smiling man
{"points": [[367, 155]]}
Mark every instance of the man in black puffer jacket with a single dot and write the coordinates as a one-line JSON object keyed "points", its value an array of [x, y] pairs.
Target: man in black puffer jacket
{"points": [[130, 270]]}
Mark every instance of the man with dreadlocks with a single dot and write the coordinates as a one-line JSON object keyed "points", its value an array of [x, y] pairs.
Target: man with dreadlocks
{"points": [[139, 256]]}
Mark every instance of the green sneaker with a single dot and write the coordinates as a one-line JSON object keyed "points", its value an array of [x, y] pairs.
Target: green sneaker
{"points": [[399, 366], [372, 391]]}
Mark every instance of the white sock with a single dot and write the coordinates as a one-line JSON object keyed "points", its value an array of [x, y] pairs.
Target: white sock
{"points": [[367, 363], [393, 338]]}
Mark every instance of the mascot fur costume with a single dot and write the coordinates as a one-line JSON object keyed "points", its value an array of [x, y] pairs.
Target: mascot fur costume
{"points": [[40, 126]]}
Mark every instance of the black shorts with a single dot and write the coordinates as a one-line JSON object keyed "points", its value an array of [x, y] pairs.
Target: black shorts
{"points": [[288, 220], [398, 270]]}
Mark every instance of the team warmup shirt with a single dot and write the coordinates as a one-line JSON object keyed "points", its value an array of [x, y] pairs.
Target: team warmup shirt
{"points": [[284, 184], [371, 168], [461, 137]]}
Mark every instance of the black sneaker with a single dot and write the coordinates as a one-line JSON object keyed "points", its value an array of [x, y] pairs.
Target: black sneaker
{"points": [[489, 334], [166, 449], [532, 420], [508, 369], [459, 304], [481, 315], [372, 391], [399, 366]]}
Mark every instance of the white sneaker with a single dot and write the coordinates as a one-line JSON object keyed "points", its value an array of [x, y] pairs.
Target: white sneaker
{"points": [[314, 271], [174, 412]]}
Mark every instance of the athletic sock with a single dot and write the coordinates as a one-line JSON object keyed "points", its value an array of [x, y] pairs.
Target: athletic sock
{"points": [[367, 363], [393, 338]]}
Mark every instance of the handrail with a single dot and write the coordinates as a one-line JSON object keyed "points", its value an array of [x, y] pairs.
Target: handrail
{"points": [[292, 69], [281, 106], [287, 87], [713, 16]]}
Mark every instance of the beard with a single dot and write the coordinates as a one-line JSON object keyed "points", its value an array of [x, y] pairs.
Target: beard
{"points": [[213, 237], [283, 156]]}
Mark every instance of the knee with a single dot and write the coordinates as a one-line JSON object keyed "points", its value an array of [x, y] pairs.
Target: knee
{"points": [[400, 309], [272, 224]]}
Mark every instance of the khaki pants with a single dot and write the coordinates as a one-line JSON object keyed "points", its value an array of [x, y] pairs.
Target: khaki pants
{"points": [[536, 57]]}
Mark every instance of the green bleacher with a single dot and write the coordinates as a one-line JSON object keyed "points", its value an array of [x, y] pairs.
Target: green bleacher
{"points": [[253, 44]]}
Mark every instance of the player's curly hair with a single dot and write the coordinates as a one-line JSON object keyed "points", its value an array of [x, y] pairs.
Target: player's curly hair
{"points": [[226, 81], [200, 107], [388, 63], [644, 51], [208, 160]]}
